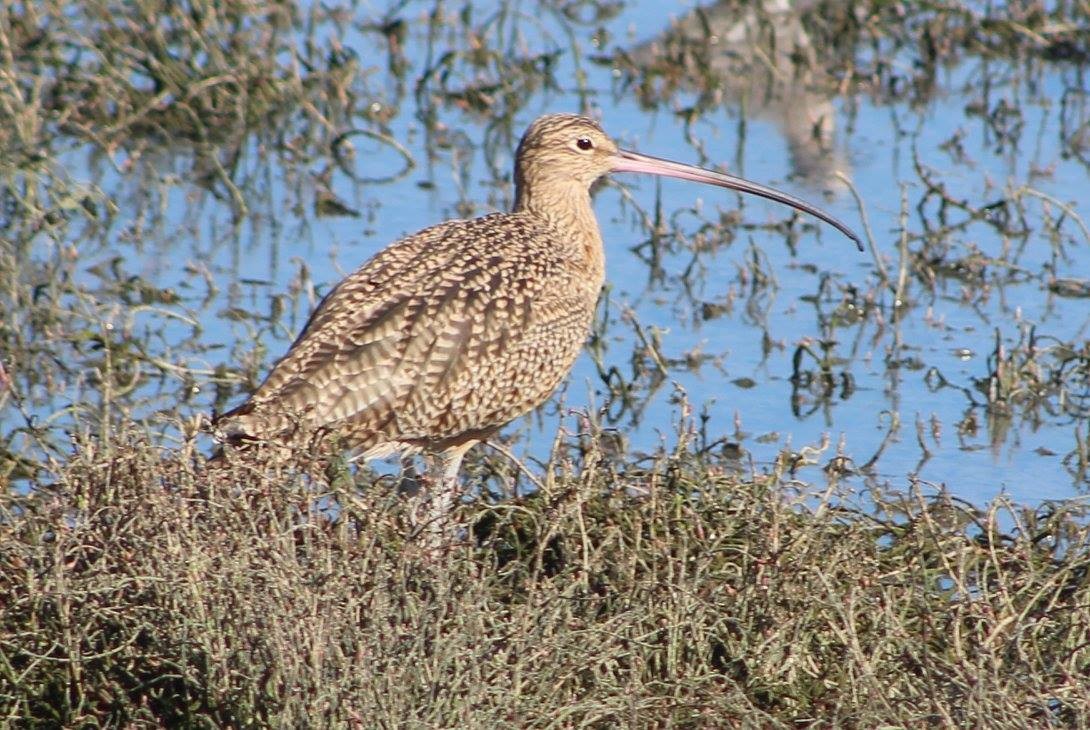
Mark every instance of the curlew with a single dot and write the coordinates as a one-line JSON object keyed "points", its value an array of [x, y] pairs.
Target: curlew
{"points": [[447, 335]]}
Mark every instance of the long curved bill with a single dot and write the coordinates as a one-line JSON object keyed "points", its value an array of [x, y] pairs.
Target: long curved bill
{"points": [[627, 161]]}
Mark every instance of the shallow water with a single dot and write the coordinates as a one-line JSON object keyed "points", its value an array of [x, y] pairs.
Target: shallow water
{"points": [[729, 304]]}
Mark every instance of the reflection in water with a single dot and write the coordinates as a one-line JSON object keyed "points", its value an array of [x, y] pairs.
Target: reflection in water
{"points": [[758, 57], [166, 224]]}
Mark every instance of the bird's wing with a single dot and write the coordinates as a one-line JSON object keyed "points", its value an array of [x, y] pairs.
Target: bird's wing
{"points": [[406, 344]]}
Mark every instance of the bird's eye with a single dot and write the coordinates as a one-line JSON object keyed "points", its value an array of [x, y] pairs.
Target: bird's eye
{"points": [[584, 143]]}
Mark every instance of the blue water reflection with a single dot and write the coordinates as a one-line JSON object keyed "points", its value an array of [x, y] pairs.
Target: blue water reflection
{"points": [[740, 335]]}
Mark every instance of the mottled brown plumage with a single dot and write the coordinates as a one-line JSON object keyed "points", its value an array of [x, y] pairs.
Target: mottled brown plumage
{"points": [[446, 335]]}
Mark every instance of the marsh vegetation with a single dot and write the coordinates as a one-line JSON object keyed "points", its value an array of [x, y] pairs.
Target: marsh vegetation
{"points": [[785, 486]]}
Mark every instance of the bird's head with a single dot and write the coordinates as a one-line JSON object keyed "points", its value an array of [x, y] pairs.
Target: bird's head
{"points": [[563, 154], [564, 149]]}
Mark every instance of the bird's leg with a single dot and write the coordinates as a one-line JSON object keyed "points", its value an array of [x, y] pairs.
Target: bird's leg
{"points": [[441, 493], [409, 483]]}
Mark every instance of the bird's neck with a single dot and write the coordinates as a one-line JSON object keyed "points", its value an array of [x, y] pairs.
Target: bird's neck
{"points": [[568, 209]]}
